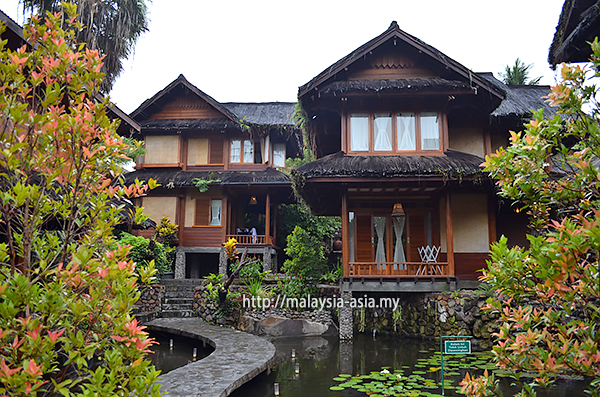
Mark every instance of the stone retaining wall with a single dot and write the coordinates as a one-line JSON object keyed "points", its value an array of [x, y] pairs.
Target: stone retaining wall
{"points": [[432, 315], [150, 298]]}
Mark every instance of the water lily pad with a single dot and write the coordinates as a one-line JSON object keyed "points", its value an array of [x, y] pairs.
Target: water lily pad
{"points": [[336, 388]]}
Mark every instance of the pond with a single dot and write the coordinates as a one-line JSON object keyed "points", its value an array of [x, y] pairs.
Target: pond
{"points": [[321, 359], [167, 359]]}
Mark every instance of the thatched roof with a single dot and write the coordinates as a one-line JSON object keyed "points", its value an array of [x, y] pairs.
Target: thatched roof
{"points": [[340, 165], [405, 85], [177, 179], [521, 100], [188, 124], [578, 24], [337, 70], [267, 113]]}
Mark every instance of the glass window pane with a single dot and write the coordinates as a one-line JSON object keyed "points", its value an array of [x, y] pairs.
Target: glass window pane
{"points": [[279, 154], [383, 132], [430, 131], [406, 131], [248, 151], [236, 145], [359, 132], [215, 212]]}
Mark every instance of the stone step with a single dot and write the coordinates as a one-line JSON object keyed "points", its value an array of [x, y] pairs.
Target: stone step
{"points": [[177, 313], [170, 300], [179, 294]]}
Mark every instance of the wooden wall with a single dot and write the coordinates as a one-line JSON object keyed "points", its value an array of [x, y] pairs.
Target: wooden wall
{"points": [[187, 106], [209, 236]]}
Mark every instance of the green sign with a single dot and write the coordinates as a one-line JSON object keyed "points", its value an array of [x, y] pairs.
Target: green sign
{"points": [[457, 347]]}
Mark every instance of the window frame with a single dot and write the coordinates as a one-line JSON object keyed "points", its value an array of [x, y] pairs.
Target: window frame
{"points": [[442, 128], [242, 150]]}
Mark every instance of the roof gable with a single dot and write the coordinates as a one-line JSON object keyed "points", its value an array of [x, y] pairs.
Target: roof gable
{"points": [[182, 100], [399, 54]]}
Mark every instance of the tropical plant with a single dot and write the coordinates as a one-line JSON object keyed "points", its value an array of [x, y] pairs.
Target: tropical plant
{"points": [[307, 259], [66, 326], [204, 183], [518, 74], [550, 293], [111, 27], [143, 250]]}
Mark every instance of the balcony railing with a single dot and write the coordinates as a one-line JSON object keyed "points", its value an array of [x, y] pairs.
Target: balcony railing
{"points": [[248, 239], [391, 269]]}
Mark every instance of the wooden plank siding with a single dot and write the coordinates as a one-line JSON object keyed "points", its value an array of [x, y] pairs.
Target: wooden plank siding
{"points": [[467, 264], [187, 106], [209, 236]]}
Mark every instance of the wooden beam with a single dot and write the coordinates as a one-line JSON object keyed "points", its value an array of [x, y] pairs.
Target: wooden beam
{"points": [[345, 237], [449, 236], [268, 216]]}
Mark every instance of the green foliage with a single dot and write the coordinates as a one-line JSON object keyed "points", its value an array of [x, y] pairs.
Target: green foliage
{"points": [[293, 286], [307, 259], [549, 311], [332, 276], [203, 184], [144, 250], [321, 228], [518, 74], [66, 296], [166, 231]]}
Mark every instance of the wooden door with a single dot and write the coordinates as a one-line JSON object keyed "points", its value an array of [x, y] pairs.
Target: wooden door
{"points": [[364, 239], [416, 236]]}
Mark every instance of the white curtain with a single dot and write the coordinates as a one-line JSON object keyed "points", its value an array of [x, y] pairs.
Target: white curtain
{"points": [[279, 154], [406, 131], [215, 212], [248, 151], [236, 145], [383, 132], [398, 222], [430, 131], [359, 132], [380, 231]]}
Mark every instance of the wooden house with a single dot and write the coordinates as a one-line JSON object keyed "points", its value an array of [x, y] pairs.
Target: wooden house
{"points": [[578, 25], [237, 150], [401, 131]]}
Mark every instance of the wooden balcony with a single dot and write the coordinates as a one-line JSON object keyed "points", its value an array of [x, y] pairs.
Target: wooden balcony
{"points": [[398, 269], [248, 239]]}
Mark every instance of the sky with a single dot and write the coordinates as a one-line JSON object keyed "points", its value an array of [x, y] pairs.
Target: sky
{"points": [[263, 50]]}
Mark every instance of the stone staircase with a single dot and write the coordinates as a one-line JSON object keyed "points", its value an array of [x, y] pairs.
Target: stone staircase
{"points": [[178, 297]]}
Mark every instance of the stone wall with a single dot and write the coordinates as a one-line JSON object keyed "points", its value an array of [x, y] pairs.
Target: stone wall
{"points": [[208, 309], [150, 298], [432, 315]]}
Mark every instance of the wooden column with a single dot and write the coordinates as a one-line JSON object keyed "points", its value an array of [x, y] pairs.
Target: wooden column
{"points": [[449, 236], [275, 225], [345, 237], [268, 217], [224, 216], [181, 216]]}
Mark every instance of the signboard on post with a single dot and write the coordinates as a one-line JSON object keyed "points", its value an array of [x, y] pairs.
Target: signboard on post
{"points": [[457, 347]]}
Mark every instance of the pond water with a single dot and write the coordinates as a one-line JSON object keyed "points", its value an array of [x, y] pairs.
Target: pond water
{"points": [[321, 359], [167, 359]]}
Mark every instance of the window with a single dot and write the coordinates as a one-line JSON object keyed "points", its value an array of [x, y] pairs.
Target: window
{"points": [[215, 212], [235, 156], [279, 154], [208, 212], [395, 132], [242, 151], [359, 137], [383, 132]]}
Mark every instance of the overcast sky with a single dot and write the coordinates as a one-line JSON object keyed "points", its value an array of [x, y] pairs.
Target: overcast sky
{"points": [[262, 50]]}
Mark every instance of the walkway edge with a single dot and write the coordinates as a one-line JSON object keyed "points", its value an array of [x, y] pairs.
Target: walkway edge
{"points": [[238, 358]]}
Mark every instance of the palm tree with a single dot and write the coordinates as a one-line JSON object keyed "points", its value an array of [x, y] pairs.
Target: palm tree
{"points": [[518, 74], [110, 26]]}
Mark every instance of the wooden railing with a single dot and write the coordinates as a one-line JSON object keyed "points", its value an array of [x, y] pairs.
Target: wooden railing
{"points": [[248, 239], [391, 269]]}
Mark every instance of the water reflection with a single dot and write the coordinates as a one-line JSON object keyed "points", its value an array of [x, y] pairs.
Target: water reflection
{"points": [[322, 358], [167, 359]]}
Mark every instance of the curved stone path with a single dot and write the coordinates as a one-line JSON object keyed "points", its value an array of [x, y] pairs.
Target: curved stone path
{"points": [[238, 357]]}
